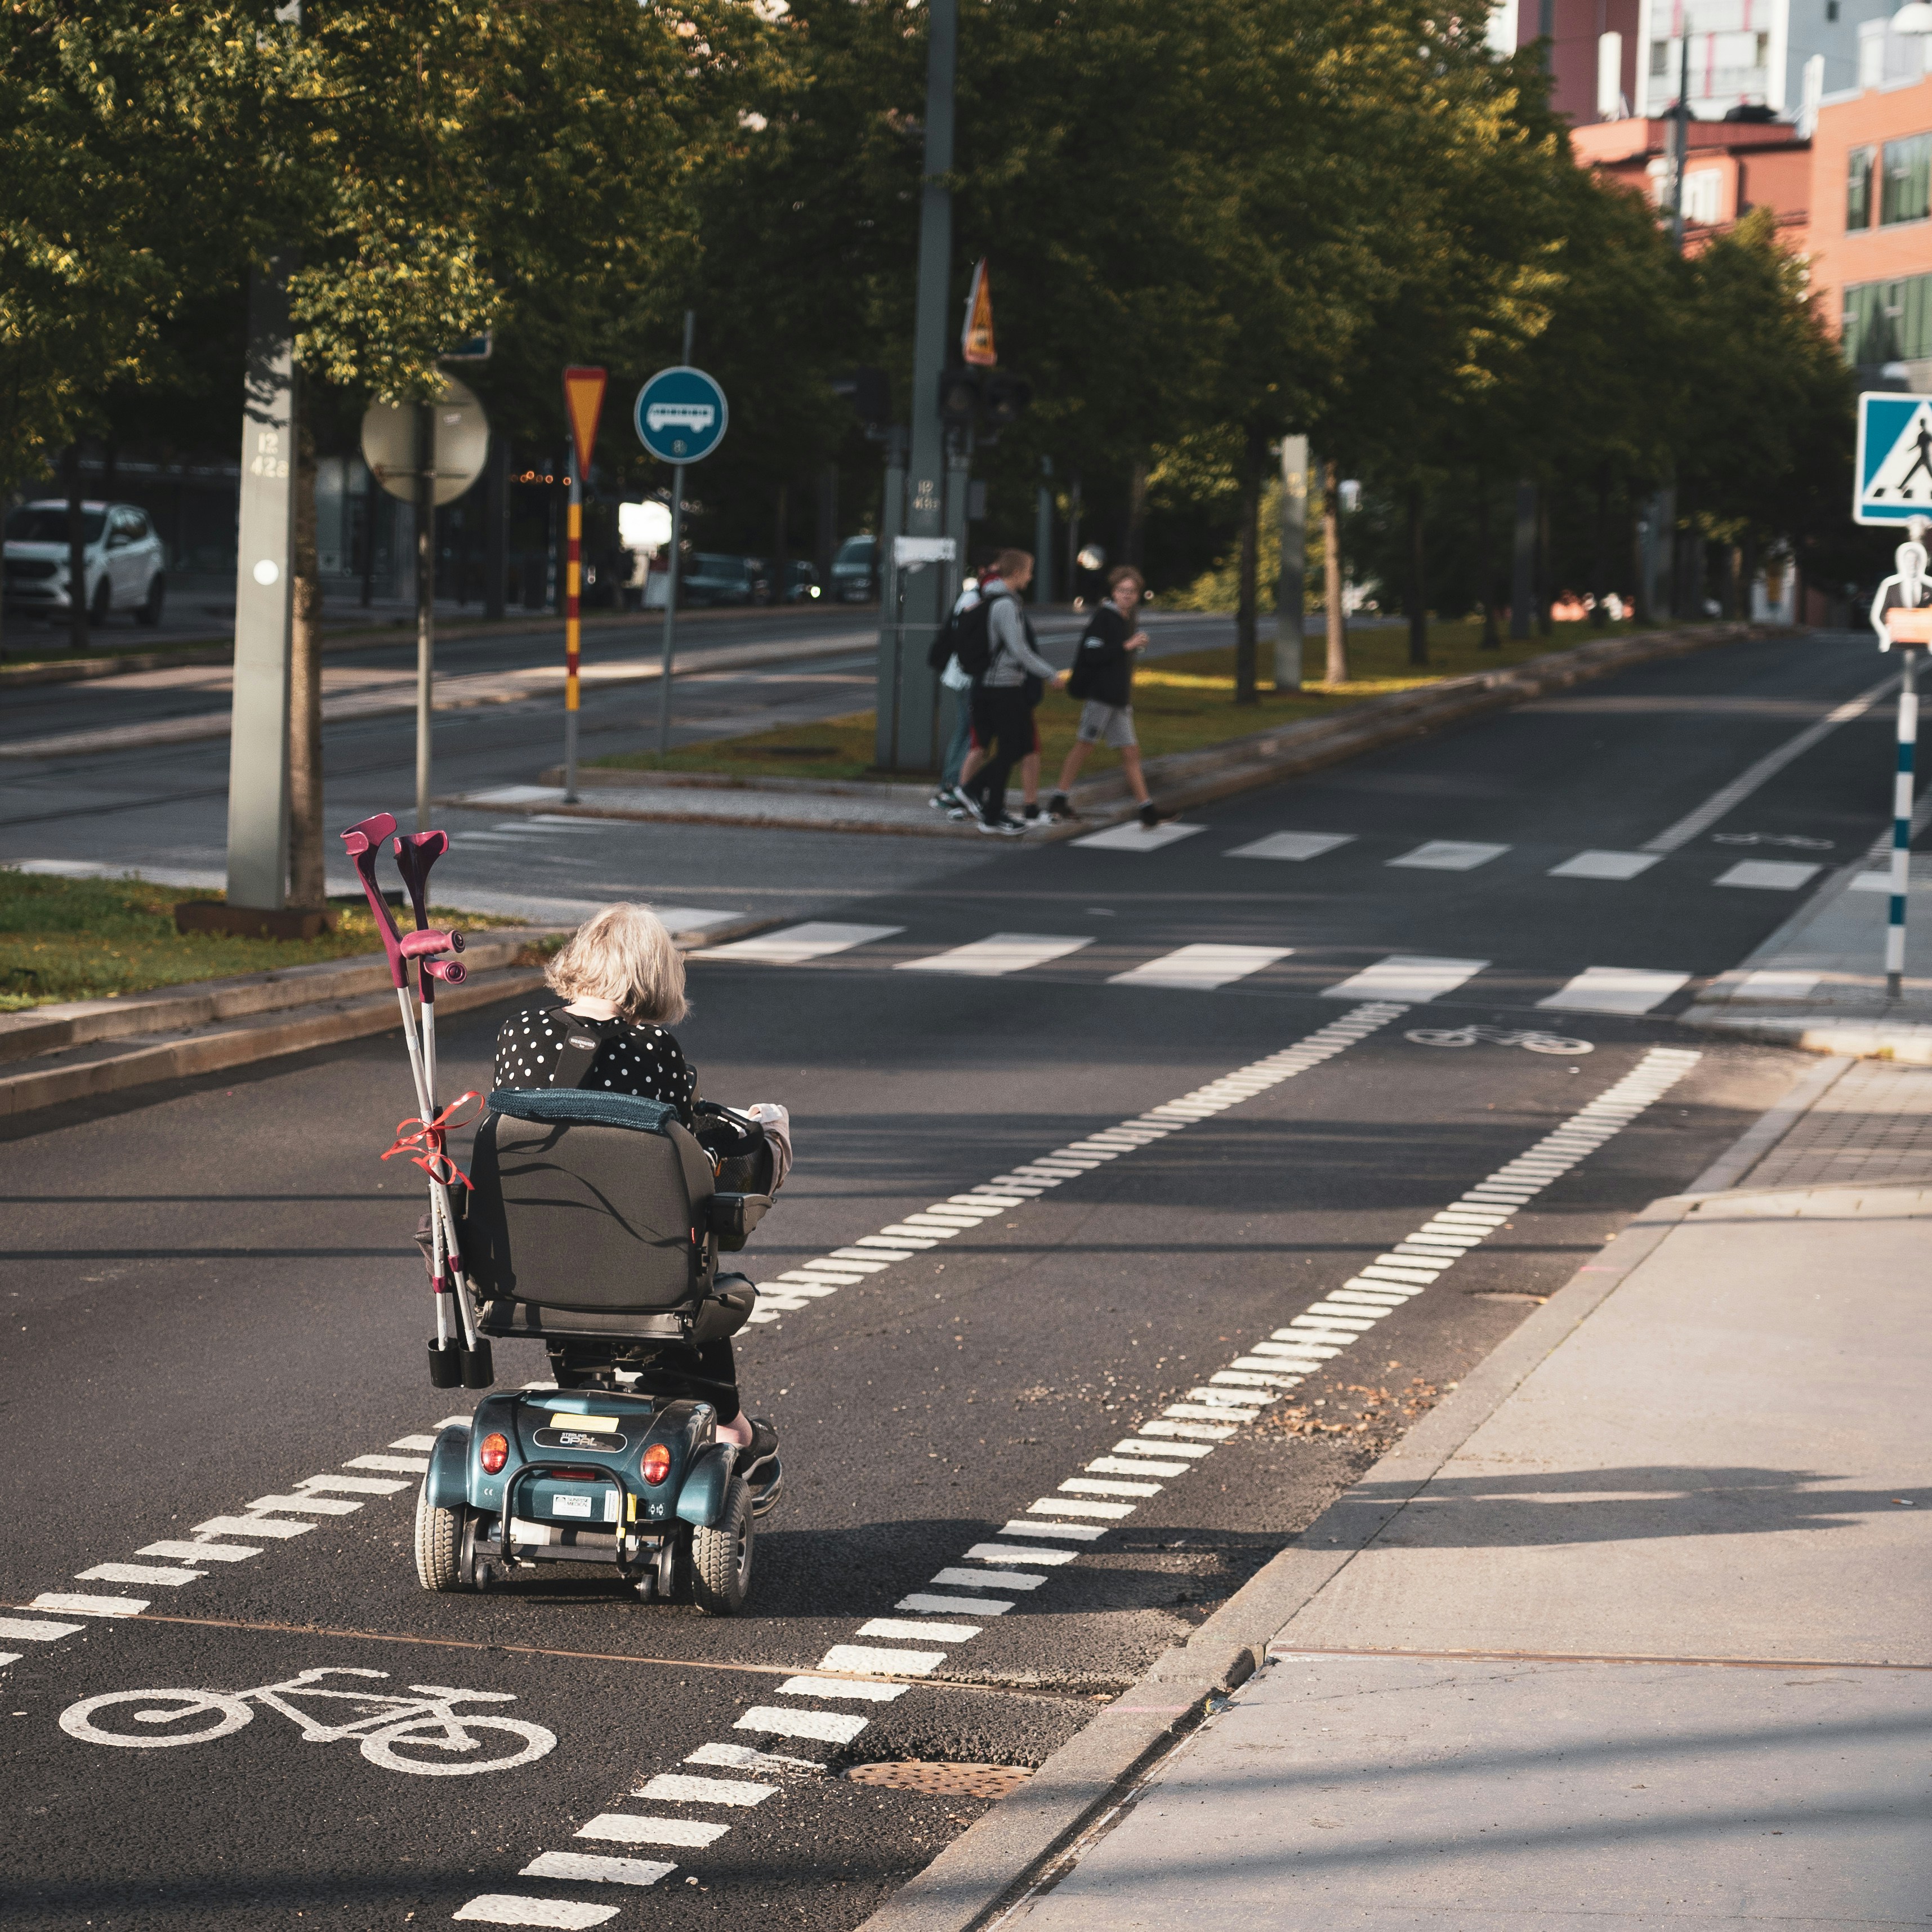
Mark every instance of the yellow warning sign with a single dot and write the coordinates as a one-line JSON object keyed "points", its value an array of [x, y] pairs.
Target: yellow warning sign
{"points": [[583, 397], [976, 339]]}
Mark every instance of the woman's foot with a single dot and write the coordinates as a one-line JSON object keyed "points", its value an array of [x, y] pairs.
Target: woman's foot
{"points": [[738, 1431]]}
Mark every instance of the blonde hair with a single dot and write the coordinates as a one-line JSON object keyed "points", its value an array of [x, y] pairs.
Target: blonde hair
{"points": [[625, 955], [1010, 561]]}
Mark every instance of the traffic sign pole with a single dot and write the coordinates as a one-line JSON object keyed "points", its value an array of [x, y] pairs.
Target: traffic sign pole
{"points": [[671, 599], [1901, 828], [573, 632], [584, 404]]}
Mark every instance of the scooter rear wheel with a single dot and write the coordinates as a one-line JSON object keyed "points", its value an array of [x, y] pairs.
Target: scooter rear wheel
{"points": [[720, 1557], [438, 1545]]}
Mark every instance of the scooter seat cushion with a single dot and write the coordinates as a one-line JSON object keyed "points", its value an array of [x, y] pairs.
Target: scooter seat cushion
{"points": [[577, 1103]]}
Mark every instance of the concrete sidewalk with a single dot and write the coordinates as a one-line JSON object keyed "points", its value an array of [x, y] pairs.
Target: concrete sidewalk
{"points": [[1646, 1640]]}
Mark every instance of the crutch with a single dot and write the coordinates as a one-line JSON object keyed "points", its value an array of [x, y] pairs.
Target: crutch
{"points": [[415, 854], [451, 1362]]}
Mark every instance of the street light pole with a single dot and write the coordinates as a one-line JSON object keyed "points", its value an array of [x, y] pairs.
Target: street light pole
{"points": [[906, 742]]}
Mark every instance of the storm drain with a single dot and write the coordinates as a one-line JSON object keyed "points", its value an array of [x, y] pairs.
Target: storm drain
{"points": [[942, 1781]]}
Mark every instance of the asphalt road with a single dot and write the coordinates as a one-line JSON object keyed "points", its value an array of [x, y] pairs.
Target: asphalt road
{"points": [[209, 1298]]}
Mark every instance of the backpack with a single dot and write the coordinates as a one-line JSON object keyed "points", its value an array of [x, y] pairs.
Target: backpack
{"points": [[964, 635]]}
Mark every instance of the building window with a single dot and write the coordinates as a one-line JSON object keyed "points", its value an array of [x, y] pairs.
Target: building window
{"points": [[1660, 60], [1888, 321], [1704, 196], [1832, 12], [1858, 188], [1906, 193]]}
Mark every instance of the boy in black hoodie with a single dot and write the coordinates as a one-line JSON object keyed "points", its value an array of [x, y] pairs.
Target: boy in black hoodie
{"points": [[1103, 674]]}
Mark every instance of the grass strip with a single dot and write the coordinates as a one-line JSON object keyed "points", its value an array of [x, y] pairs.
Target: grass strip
{"points": [[1181, 704], [102, 939]]}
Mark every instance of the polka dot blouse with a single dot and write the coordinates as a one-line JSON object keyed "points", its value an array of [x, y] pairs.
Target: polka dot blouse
{"points": [[643, 1060]]}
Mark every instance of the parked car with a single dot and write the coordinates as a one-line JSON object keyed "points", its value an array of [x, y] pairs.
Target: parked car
{"points": [[855, 571], [124, 561], [712, 578], [801, 579]]}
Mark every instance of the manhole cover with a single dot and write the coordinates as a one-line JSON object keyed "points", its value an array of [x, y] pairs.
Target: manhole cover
{"points": [[942, 1781]]}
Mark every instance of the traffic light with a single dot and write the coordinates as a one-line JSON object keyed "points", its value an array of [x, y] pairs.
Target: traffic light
{"points": [[993, 397], [869, 394]]}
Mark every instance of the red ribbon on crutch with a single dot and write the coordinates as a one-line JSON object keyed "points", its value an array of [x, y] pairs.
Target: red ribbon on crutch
{"points": [[424, 1145]]}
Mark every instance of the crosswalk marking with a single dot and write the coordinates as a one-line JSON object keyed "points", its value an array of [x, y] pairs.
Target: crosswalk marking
{"points": [[1449, 855], [1596, 864], [1135, 837], [1410, 977], [1201, 966], [1001, 953], [1770, 875], [1774, 983], [795, 945], [502, 1908], [586, 1866], [1615, 989], [1296, 845]]}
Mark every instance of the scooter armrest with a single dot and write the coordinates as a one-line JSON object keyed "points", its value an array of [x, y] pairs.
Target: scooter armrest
{"points": [[731, 1217]]}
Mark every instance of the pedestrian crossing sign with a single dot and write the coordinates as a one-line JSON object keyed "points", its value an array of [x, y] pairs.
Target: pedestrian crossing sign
{"points": [[1892, 478]]}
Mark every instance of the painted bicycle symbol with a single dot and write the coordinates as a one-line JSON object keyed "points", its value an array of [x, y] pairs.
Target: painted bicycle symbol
{"points": [[394, 1732], [1472, 1036]]}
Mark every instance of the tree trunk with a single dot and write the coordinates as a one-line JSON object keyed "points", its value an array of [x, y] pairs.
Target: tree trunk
{"points": [[1337, 670], [1245, 653], [1487, 574], [1137, 493], [76, 553], [1418, 596], [780, 542], [496, 526], [307, 891], [1545, 588], [828, 526], [1600, 575]]}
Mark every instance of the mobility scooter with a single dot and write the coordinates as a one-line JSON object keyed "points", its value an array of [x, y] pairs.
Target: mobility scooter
{"points": [[591, 1222]]}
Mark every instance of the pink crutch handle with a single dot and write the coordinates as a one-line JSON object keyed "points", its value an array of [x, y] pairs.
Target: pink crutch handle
{"points": [[364, 842], [430, 941], [451, 972]]}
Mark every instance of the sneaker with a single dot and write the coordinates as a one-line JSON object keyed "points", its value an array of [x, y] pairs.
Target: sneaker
{"points": [[943, 799], [1032, 814], [1003, 827], [975, 806], [1060, 806], [1149, 818], [957, 812]]}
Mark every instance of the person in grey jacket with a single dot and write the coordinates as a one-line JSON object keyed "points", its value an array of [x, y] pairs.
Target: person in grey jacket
{"points": [[1006, 693]]}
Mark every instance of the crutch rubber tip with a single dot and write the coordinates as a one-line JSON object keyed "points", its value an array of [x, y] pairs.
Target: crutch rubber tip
{"points": [[479, 1372], [446, 1365]]}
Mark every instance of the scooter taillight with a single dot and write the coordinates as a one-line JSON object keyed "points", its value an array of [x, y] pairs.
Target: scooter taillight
{"points": [[494, 1454], [655, 1464]]}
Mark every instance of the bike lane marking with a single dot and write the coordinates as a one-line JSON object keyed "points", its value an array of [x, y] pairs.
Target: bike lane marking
{"points": [[1232, 1398]]}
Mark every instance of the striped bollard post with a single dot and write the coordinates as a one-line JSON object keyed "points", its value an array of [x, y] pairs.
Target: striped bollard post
{"points": [[1901, 828], [573, 630]]}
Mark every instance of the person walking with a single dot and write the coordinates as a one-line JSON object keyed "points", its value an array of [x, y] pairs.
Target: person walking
{"points": [[944, 659], [1004, 694], [1103, 674]]}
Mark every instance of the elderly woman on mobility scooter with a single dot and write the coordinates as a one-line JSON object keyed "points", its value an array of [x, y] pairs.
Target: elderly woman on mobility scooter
{"points": [[602, 1189]]}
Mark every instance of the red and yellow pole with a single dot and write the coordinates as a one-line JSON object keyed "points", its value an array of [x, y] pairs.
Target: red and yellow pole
{"points": [[583, 401], [573, 634]]}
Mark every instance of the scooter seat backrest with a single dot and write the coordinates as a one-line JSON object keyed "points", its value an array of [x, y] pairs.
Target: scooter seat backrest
{"points": [[587, 1201]]}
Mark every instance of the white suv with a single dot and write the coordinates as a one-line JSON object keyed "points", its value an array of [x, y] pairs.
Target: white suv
{"points": [[123, 560]]}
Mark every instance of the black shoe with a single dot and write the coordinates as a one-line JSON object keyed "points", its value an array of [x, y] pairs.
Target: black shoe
{"points": [[1003, 827], [763, 1445], [976, 806], [1149, 818], [1060, 806], [1032, 815], [943, 799]]}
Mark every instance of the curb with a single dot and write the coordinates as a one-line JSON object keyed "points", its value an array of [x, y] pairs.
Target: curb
{"points": [[1180, 779], [993, 1865], [76, 1023], [240, 1046]]}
